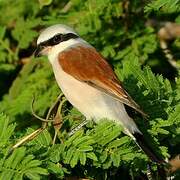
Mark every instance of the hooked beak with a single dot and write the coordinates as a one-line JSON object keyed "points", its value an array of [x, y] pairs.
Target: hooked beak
{"points": [[37, 52], [42, 50]]}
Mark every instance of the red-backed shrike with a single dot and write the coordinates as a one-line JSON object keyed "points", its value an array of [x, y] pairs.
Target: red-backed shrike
{"points": [[88, 81]]}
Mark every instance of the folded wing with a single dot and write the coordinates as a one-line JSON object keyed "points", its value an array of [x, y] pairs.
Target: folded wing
{"points": [[87, 65]]}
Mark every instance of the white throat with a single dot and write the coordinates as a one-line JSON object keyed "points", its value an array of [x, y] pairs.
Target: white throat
{"points": [[63, 46]]}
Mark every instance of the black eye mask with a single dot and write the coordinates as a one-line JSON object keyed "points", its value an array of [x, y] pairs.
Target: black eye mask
{"points": [[58, 38]]}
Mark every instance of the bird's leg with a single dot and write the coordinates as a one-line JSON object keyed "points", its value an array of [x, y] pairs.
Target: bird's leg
{"points": [[77, 128]]}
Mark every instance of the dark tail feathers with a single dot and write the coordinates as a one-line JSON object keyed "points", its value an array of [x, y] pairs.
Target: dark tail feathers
{"points": [[147, 149]]}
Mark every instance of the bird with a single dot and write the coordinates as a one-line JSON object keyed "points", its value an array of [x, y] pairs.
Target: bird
{"points": [[89, 82]]}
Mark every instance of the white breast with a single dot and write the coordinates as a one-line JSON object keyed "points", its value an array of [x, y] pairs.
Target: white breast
{"points": [[92, 103], [79, 94]]}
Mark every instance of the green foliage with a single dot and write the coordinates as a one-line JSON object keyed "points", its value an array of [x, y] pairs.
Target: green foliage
{"points": [[118, 29], [18, 166], [6, 130], [166, 6]]}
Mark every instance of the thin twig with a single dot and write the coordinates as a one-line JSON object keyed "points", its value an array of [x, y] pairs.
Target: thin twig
{"points": [[67, 7], [58, 119], [28, 137], [36, 116], [38, 131], [52, 107]]}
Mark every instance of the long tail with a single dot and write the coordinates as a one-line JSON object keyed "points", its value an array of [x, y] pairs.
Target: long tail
{"points": [[140, 140]]}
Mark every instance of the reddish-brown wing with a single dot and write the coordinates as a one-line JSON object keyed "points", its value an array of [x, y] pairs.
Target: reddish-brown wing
{"points": [[87, 65]]}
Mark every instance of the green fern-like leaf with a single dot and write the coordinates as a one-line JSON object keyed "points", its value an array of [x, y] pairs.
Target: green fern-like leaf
{"points": [[6, 130], [19, 166]]}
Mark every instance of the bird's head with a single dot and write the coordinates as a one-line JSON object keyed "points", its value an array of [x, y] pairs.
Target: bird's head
{"points": [[56, 39]]}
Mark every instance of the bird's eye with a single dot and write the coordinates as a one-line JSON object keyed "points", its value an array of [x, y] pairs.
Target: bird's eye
{"points": [[57, 39]]}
